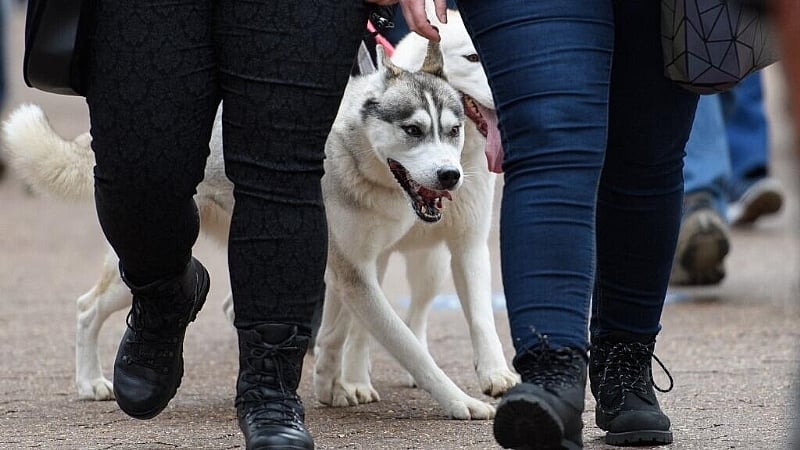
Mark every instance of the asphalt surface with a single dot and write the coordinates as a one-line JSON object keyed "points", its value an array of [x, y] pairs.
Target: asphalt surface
{"points": [[732, 348]]}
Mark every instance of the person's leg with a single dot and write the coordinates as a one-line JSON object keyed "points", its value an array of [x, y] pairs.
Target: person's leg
{"points": [[704, 240], [746, 124], [707, 166], [549, 75], [284, 67], [638, 218], [753, 193], [152, 100]]}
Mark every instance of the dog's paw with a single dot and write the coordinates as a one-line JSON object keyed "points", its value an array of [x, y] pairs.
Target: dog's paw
{"points": [[470, 408], [98, 389], [410, 381], [497, 382], [352, 394]]}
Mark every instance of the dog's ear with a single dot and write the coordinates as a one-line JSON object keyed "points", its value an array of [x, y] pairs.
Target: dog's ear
{"points": [[386, 65], [434, 62]]}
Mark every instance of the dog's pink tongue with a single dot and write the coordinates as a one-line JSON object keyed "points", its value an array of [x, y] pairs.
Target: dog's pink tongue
{"points": [[494, 148]]}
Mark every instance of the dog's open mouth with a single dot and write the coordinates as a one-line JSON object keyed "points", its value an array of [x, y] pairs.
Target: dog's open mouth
{"points": [[474, 114], [427, 203], [485, 120]]}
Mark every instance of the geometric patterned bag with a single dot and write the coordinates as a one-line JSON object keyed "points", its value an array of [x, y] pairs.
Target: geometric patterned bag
{"points": [[711, 45]]}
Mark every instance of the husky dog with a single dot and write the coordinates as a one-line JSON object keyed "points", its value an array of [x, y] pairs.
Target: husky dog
{"points": [[398, 180], [440, 218]]}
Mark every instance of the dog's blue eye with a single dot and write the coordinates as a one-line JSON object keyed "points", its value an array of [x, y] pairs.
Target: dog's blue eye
{"points": [[412, 130]]}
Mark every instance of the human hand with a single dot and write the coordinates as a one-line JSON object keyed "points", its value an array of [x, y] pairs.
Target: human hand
{"points": [[416, 16]]}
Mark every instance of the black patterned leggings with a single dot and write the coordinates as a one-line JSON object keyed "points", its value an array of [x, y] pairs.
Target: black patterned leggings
{"points": [[158, 70]]}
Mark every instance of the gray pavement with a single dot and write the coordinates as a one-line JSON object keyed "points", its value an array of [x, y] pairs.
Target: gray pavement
{"points": [[732, 348]]}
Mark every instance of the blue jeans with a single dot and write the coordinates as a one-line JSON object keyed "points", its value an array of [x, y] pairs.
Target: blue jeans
{"points": [[747, 128], [591, 203], [728, 142], [708, 164]]}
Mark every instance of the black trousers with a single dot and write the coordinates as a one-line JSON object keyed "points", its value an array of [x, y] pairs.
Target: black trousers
{"points": [[158, 71]]}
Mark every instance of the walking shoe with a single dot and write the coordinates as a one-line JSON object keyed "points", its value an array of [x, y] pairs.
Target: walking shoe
{"points": [[544, 411], [149, 364], [621, 380], [270, 413], [703, 243], [753, 199]]}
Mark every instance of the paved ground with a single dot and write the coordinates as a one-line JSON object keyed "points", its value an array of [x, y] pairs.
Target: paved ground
{"points": [[732, 349]]}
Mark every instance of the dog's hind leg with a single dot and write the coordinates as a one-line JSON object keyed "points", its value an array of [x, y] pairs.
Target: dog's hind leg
{"points": [[331, 338], [471, 269], [106, 297], [356, 360], [425, 271], [356, 384]]}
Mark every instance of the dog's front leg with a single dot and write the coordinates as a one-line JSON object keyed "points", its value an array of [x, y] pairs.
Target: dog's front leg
{"points": [[471, 268], [363, 295]]}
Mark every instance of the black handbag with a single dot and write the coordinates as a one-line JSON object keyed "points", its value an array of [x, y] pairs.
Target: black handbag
{"points": [[709, 46], [56, 46]]}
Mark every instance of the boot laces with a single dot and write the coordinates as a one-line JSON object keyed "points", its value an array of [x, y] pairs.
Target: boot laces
{"points": [[267, 406], [156, 331], [627, 369], [550, 367]]}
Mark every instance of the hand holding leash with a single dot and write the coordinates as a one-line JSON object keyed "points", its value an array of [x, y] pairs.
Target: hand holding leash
{"points": [[414, 11]]}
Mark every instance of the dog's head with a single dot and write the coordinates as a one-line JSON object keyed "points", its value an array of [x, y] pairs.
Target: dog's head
{"points": [[414, 122], [463, 69]]}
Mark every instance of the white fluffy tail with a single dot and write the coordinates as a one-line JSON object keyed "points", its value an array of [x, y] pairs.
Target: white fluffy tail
{"points": [[44, 160]]}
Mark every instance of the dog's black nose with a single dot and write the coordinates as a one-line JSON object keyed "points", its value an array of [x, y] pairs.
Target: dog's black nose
{"points": [[448, 177]]}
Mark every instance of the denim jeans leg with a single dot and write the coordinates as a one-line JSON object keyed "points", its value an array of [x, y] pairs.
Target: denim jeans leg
{"points": [[549, 72], [747, 128], [707, 165], [640, 196]]}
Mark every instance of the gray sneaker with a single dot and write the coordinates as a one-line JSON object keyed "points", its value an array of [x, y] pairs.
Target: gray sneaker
{"points": [[754, 199], [703, 243]]}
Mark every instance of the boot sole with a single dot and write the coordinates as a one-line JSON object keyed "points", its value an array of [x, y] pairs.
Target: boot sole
{"points": [[700, 257], [525, 422], [203, 286], [762, 201], [640, 437]]}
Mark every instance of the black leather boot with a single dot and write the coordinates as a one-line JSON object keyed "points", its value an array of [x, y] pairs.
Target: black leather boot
{"points": [[269, 410], [621, 380], [149, 363], [544, 411]]}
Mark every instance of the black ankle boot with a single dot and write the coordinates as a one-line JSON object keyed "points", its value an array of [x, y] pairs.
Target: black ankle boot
{"points": [[149, 363], [270, 412], [544, 411], [621, 380]]}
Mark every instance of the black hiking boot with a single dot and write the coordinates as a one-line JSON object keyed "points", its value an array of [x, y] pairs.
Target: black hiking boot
{"points": [[269, 410], [149, 364], [544, 411], [621, 380]]}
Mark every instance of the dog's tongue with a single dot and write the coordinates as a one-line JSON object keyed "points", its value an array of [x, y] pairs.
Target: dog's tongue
{"points": [[494, 148]]}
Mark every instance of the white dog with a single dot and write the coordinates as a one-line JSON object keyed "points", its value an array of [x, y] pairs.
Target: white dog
{"points": [[386, 223], [371, 219]]}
